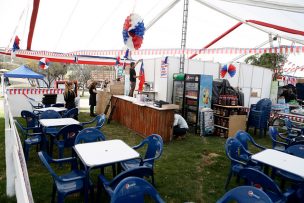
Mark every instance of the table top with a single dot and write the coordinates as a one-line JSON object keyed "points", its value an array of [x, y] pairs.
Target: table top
{"points": [[58, 109], [134, 101], [58, 122], [281, 160], [104, 152]]}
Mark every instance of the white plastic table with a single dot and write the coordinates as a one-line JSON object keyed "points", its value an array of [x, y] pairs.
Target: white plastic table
{"points": [[103, 153], [55, 122], [57, 109], [281, 160]]}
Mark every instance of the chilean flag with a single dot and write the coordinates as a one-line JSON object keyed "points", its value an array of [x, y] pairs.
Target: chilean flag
{"points": [[16, 44], [44, 63], [141, 78]]}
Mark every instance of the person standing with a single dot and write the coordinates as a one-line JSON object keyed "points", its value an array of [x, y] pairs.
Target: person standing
{"points": [[69, 96], [133, 77], [92, 99]]}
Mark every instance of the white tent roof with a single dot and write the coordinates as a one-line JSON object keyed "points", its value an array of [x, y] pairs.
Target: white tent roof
{"points": [[70, 25]]}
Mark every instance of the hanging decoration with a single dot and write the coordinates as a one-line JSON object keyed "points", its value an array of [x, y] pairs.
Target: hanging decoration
{"points": [[231, 69], [44, 63], [224, 71], [133, 31], [16, 43]]}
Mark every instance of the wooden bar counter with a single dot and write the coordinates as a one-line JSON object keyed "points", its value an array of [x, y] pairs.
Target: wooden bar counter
{"points": [[144, 119]]}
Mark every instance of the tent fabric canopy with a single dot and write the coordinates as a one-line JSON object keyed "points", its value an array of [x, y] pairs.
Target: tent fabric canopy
{"points": [[23, 72]]}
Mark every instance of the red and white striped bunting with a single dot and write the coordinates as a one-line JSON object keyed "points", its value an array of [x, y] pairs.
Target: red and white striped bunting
{"points": [[166, 52], [34, 91]]}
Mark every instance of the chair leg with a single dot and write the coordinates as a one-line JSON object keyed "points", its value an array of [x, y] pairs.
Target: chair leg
{"points": [[98, 190], [153, 183], [60, 198], [26, 152], [254, 132], [53, 193], [114, 170], [228, 179]]}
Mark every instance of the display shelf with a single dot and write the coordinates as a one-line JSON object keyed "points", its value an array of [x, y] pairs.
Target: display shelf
{"points": [[234, 120], [227, 117], [219, 126], [191, 97], [229, 107]]}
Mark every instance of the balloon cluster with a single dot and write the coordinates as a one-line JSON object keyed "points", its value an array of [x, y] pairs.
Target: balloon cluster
{"points": [[231, 69], [44, 63], [133, 31]]}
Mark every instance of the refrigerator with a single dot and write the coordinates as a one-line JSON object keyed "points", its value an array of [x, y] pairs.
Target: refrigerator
{"points": [[178, 89], [197, 96]]}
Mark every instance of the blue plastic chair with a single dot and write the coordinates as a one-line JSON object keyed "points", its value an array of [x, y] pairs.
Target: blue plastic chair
{"points": [[245, 138], [153, 152], [66, 137], [109, 186], [65, 184], [134, 189], [293, 130], [276, 144], [236, 152], [88, 135], [99, 119], [58, 105], [258, 178], [49, 114], [245, 194], [32, 121], [259, 115], [72, 113], [29, 139]]}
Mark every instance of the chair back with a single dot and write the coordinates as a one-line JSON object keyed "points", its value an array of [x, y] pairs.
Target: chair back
{"points": [[101, 119], [58, 105], [243, 137], [256, 177], [30, 118], [46, 160], [140, 171], [23, 131], [134, 189], [245, 194], [233, 150], [288, 124], [273, 133], [296, 150], [50, 114], [68, 134], [89, 135], [72, 113], [154, 149]]}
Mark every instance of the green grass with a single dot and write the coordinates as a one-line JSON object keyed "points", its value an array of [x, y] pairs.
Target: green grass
{"points": [[189, 170]]}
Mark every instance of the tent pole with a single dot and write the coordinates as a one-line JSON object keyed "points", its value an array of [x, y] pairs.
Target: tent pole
{"points": [[291, 7], [206, 3], [160, 14], [218, 38], [32, 24]]}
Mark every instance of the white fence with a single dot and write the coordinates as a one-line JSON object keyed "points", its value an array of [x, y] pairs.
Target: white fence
{"points": [[17, 180]]}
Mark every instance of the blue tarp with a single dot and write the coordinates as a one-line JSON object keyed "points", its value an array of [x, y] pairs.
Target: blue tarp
{"points": [[23, 72]]}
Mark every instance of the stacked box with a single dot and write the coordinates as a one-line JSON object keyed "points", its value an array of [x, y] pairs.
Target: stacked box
{"points": [[206, 121]]}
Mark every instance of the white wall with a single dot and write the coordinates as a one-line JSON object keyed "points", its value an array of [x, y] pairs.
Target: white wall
{"points": [[247, 77], [19, 102]]}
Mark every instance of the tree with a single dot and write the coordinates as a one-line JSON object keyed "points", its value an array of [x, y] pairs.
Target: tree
{"points": [[56, 71], [81, 73], [267, 60]]}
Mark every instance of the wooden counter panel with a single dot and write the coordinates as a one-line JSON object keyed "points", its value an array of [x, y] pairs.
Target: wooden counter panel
{"points": [[144, 120]]}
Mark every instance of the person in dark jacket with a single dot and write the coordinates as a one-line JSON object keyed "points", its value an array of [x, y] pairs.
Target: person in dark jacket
{"points": [[69, 96], [92, 99]]}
